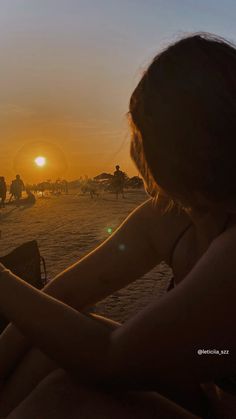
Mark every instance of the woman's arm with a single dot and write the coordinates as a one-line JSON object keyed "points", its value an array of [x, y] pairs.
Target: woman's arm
{"points": [[148, 236], [157, 349], [90, 279], [66, 336]]}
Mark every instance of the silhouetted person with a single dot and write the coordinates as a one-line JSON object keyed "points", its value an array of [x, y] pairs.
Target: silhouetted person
{"points": [[16, 188], [118, 182], [30, 197], [3, 191]]}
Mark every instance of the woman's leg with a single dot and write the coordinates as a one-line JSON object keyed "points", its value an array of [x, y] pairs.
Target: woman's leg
{"points": [[34, 367], [58, 396]]}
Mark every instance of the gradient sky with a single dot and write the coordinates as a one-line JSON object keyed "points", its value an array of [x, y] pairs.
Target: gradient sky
{"points": [[68, 68]]}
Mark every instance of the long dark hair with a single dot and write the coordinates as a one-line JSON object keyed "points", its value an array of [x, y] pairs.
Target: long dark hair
{"points": [[183, 121]]}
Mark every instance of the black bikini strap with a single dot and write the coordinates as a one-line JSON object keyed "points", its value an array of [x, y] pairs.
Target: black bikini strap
{"points": [[178, 240]]}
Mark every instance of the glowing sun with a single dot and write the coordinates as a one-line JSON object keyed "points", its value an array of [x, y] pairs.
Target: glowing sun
{"points": [[40, 161]]}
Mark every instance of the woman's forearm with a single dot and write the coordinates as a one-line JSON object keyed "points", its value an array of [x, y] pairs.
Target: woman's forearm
{"points": [[94, 277], [105, 270], [73, 340]]}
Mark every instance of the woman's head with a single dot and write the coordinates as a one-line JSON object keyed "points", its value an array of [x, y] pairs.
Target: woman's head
{"points": [[183, 121]]}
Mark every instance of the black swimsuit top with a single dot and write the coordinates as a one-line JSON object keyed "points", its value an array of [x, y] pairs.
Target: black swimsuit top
{"points": [[172, 281]]}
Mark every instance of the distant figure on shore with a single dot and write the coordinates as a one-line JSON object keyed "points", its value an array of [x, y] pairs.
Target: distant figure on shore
{"points": [[118, 182], [30, 199], [27, 201], [16, 188], [3, 191]]}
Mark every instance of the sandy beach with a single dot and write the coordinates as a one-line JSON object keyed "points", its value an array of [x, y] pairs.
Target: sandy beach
{"points": [[67, 227]]}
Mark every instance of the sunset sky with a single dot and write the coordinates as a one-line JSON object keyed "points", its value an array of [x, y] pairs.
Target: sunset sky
{"points": [[68, 68]]}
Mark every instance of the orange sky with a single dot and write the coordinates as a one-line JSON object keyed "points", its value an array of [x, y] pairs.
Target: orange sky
{"points": [[68, 68], [89, 146]]}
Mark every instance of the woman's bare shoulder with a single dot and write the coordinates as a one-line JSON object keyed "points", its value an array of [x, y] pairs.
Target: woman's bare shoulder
{"points": [[226, 241], [165, 227]]}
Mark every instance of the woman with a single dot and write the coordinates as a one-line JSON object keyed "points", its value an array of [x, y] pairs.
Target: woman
{"points": [[183, 122]]}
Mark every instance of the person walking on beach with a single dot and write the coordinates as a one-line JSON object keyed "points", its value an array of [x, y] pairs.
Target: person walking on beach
{"points": [[3, 191], [16, 188], [118, 182]]}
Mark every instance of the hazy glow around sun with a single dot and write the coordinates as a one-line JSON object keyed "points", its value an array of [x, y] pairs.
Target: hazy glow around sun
{"points": [[40, 161]]}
